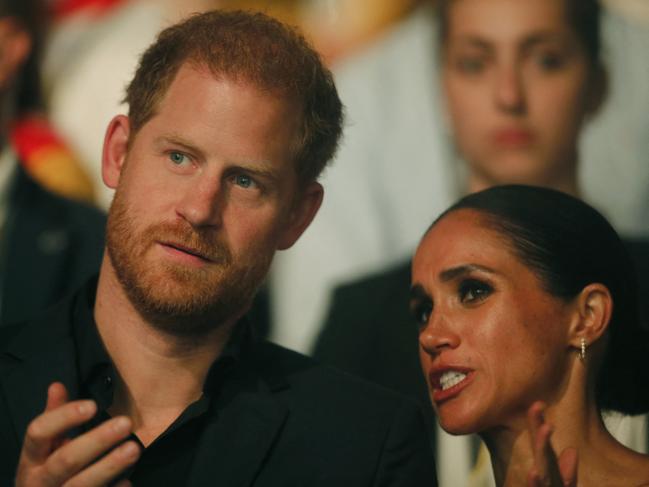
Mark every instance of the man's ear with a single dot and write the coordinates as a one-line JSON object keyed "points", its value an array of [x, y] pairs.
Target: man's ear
{"points": [[115, 150], [594, 307], [15, 46], [304, 210]]}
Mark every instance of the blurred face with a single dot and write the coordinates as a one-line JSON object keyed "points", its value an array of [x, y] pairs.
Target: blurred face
{"points": [[518, 86], [206, 193], [492, 340]]}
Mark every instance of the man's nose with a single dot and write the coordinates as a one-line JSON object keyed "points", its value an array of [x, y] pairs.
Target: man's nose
{"points": [[203, 202], [438, 335]]}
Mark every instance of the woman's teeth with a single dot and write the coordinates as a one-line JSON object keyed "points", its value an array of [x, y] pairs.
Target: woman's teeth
{"points": [[451, 378]]}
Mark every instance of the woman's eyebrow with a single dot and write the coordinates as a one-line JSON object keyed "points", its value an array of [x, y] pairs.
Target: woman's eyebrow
{"points": [[461, 270], [542, 37], [417, 292], [475, 41]]}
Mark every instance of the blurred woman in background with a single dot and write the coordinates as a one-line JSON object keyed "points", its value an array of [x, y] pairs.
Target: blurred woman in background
{"points": [[521, 78]]}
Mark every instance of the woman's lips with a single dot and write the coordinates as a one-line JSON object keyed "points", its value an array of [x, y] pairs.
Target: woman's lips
{"points": [[448, 383], [513, 138]]}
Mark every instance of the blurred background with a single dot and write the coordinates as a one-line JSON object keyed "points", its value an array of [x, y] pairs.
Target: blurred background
{"points": [[397, 167]]}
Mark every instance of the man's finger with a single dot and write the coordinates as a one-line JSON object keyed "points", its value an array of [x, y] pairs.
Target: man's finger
{"points": [[70, 459], [57, 396], [50, 426], [109, 467]]}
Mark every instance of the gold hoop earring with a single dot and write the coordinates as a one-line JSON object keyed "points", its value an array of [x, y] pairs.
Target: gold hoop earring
{"points": [[582, 351]]}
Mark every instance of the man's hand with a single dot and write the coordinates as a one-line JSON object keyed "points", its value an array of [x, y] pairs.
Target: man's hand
{"points": [[548, 471], [49, 459]]}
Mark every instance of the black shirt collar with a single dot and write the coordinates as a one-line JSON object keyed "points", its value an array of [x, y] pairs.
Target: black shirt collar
{"points": [[96, 371]]}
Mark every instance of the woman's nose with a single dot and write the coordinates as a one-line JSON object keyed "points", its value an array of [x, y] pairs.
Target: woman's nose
{"points": [[509, 90], [438, 335]]}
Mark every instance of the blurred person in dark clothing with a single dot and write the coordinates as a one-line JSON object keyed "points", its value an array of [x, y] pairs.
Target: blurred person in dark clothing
{"points": [[48, 244]]}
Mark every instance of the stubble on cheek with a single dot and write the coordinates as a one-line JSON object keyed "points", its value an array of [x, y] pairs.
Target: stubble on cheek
{"points": [[179, 299]]}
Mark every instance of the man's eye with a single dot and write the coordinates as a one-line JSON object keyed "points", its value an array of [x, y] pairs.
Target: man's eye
{"points": [[177, 158], [244, 181], [472, 291]]}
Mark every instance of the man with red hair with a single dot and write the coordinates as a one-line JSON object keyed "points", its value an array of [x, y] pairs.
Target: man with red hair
{"points": [[153, 374]]}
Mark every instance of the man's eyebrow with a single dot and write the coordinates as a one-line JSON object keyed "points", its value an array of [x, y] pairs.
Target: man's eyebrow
{"points": [[178, 140], [256, 169], [259, 168], [455, 272]]}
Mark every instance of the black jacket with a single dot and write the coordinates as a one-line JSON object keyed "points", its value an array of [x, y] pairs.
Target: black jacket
{"points": [[50, 246], [288, 422]]}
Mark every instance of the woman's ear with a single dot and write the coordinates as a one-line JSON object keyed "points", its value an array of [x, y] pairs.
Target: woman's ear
{"points": [[115, 150], [304, 210], [597, 92], [594, 308]]}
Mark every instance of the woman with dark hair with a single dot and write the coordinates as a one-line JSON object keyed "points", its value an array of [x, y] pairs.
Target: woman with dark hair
{"points": [[528, 318], [520, 79]]}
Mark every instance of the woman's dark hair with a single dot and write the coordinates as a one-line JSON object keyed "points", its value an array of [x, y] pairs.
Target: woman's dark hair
{"points": [[569, 245], [31, 15], [583, 17]]}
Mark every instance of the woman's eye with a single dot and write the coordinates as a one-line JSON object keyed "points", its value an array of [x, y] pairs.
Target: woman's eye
{"points": [[472, 291], [470, 65], [549, 61], [421, 313], [177, 158]]}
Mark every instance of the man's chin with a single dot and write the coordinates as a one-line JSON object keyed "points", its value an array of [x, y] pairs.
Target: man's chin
{"points": [[182, 303], [184, 315]]}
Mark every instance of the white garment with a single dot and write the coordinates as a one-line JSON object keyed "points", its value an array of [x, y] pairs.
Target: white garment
{"points": [[615, 146], [631, 431], [386, 185], [88, 64]]}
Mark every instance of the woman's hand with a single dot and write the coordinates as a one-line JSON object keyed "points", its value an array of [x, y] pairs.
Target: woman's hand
{"points": [[548, 470]]}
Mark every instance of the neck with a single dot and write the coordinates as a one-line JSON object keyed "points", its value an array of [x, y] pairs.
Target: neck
{"points": [[576, 423], [564, 181], [159, 375]]}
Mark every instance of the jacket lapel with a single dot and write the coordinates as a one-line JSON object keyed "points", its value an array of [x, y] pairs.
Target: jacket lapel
{"points": [[239, 437], [40, 354]]}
